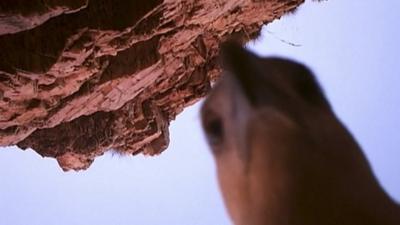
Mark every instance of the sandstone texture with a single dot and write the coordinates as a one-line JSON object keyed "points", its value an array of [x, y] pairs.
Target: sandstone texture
{"points": [[81, 77]]}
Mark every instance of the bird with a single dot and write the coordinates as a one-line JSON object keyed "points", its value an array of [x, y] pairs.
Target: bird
{"points": [[282, 156]]}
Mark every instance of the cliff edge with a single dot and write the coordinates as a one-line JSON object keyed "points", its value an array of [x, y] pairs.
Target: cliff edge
{"points": [[80, 77]]}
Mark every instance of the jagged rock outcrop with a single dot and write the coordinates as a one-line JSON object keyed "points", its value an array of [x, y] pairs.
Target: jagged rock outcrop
{"points": [[80, 77]]}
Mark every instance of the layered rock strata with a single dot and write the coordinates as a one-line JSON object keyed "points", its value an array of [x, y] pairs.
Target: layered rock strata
{"points": [[80, 77]]}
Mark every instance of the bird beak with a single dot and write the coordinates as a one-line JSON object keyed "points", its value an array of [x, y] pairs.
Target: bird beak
{"points": [[243, 66]]}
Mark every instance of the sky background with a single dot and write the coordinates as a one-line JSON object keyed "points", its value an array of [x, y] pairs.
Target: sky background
{"points": [[353, 48]]}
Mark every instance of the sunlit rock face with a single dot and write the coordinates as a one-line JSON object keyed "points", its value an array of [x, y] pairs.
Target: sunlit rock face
{"points": [[80, 77]]}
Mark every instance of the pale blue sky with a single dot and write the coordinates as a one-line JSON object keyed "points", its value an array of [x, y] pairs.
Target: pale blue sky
{"points": [[352, 46]]}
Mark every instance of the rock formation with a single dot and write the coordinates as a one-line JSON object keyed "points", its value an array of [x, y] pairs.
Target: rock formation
{"points": [[80, 77]]}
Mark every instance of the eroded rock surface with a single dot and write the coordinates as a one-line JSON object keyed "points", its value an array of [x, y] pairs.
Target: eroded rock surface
{"points": [[80, 77]]}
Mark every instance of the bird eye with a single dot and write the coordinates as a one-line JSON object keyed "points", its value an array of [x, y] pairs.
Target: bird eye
{"points": [[214, 130]]}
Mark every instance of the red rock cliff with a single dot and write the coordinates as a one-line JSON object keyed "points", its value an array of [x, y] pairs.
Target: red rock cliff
{"points": [[80, 77]]}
